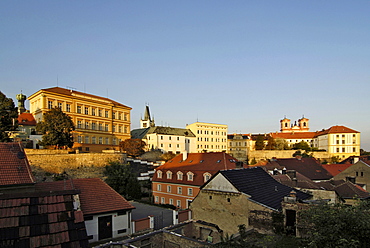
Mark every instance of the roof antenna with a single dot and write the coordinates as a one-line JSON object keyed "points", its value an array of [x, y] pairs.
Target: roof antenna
{"points": [[57, 81]]}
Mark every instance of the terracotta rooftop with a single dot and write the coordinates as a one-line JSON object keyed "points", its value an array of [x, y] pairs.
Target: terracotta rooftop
{"points": [[69, 92], [14, 166], [335, 169], [26, 119], [96, 196], [299, 181], [345, 189], [197, 163], [41, 219], [294, 135], [336, 129]]}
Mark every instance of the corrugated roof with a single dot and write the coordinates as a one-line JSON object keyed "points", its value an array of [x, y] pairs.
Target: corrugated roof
{"points": [[14, 166], [260, 186], [71, 93], [198, 164], [96, 196]]}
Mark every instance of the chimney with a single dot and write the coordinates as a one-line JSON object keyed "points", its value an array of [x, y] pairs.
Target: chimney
{"points": [[283, 171], [184, 155], [292, 174]]}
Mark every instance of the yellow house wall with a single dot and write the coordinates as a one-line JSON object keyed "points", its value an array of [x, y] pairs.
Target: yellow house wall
{"points": [[360, 171]]}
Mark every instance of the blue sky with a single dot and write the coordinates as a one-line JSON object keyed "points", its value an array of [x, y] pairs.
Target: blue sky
{"points": [[246, 64]]}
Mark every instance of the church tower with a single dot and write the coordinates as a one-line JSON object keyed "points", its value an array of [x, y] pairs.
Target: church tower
{"points": [[21, 98], [285, 125], [147, 120]]}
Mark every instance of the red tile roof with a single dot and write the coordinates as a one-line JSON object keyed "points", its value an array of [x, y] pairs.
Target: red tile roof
{"points": [[68, 92], [198, 164], [335, 169], [14, 166], [96, 196], [336, 129], [293, 135], [26, 119]]}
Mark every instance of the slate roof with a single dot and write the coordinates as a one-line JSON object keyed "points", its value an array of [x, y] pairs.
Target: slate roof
{"points": [[335, 169], [309, 167], [261, 186], [142, 132], [96, 196], [72, 93], [14, 166], [26, 119], [198, 164], [300, 181], [41, 219]]}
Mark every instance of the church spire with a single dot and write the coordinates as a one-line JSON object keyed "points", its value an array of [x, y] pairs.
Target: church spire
{"points": [[147, 120]]}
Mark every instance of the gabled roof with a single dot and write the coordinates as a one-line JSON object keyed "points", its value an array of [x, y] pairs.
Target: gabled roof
{"points": [[294, 135], [142, 132], [41, 219], [299, 181], [308, 167], [74, 93], [335, 169], [96, 196], [14, 166], [345, 189], [26, 119], [336, 129], [260, 186], [198, 164]]}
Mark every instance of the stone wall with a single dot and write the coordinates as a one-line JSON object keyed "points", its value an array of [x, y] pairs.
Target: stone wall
{"points": [[268, 154], [56, 161]]}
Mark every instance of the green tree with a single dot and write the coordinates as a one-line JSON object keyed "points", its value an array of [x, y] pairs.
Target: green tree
{"points": [[260, 144], [303, 145], [337, 225], [271, 144], [56, 128], [281, 144], [122, 179], [8, 117], [133, 147]]}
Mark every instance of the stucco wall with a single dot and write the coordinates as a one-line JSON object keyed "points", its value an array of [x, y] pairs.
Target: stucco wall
{"points": [[55, 161], [268, 154]]}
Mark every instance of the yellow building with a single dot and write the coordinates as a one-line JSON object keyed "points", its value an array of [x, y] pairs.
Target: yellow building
{"points": [[339, 141], [101, 123], [210, 137]]}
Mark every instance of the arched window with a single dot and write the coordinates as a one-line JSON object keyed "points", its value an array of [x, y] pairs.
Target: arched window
{"points": [[169, 174], [179, 175], [190, 176], [206, 176], [159, 174]]}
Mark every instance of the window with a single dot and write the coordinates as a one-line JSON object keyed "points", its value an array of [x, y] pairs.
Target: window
{"points": [[206, 176], [169, 189], [87, 139], [178, 138], [93, 126], [50, 104], [159, 187], [159, 174], [60, 105], [79, 139], [68, 107], [100, 127], [178, 203], [106, 114], [93, 140], [93, 111], [100, 140], [354, 149], [107, 141], [161, 137], [337, 149], [87, 125], [125, 129], [79, 124], [156, 199], [190, 191], [179, 175], [99, 112], [162, 200], [114, 141], [106, 128], [113, 115], [114, 128], [86, 110], [79, 109], [125, 116], [169, 175], [343, 142], [179, 190], [343, 149], [190, 176], [171, 201]]}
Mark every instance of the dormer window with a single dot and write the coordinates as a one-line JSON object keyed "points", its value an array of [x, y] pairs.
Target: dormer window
{"points": [[179, 175], [169, 175], [190, 176], [159, 174], [206, 176]]}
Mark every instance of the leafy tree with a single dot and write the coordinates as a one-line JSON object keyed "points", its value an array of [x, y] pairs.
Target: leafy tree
{"points": [[363, 152], [303, 155], [260, 145], [122, 179], [56, 128], [167, 156], [271, 144], [8, 117], [337, 225], [281, 144], [303, 145], [133, 147]]}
